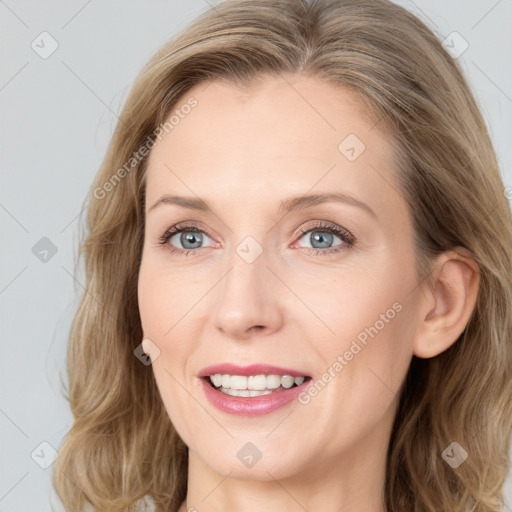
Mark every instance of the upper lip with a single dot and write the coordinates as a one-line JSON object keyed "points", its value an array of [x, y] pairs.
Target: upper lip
{"points": [[253, 369]]}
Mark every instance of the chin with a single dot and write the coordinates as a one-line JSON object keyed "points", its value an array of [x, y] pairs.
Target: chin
{"points": [[272, 466]]}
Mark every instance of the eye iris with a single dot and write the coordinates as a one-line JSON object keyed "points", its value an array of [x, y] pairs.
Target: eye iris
{"points": [[324, 238], [189, 238], [320, 236]]}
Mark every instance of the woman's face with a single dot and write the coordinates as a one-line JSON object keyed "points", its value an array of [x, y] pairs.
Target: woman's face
{"points": [[296, 261]]}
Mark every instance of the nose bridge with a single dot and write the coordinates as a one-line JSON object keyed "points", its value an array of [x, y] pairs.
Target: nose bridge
{"points": [[245, 298]]}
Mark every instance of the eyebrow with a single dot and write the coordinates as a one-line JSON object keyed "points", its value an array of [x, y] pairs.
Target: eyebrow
{"points": [[287, 205]]}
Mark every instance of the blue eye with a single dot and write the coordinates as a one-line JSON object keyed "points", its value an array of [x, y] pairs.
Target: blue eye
{"points": [[318, 236], [190, 238], [323, 234]]}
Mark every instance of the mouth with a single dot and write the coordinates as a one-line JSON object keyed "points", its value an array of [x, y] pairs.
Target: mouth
{"points": [[248, 386], [253, 390]]}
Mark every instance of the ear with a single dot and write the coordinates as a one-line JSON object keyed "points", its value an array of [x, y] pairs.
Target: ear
{"points": [[448, 303]]}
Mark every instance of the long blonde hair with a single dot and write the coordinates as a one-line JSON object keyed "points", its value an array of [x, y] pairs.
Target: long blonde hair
{"points": [[122, 445]]}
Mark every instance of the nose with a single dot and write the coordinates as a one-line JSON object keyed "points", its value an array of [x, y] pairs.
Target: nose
{"points": [[247, 300]]}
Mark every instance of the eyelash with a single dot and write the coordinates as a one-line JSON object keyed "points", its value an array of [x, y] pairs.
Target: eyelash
{"points": [[345, 235]]}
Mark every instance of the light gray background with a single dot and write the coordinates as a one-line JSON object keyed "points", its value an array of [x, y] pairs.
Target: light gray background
{"points": [[58, 115]]}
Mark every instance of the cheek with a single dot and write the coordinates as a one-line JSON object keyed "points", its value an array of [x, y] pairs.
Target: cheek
{"points": [[161, 306], [372, 322], [378, 354], [357, 301], [362, 368], [163, 317], [162, 298]]}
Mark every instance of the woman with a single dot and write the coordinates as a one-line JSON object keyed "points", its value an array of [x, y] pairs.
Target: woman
{"points": [[338, 334]]}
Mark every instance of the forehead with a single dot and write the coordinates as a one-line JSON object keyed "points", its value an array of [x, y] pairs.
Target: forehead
{"points": [[282, 134]]}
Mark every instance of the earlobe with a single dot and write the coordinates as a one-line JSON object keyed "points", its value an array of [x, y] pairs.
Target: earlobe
{"points": [[448, 303]]}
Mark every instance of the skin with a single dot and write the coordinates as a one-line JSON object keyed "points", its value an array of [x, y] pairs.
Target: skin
{"points": [[243, 152]]}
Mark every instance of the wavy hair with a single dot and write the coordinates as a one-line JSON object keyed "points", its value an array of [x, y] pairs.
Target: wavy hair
{"points": [[122, 446]]}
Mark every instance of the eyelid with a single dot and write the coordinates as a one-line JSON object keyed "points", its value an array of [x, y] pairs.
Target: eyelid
{"points": [[347, 238], [344, 234], [183, 227]]}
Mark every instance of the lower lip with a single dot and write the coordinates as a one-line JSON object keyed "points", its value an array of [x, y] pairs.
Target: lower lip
{"points": [[251, 406]]}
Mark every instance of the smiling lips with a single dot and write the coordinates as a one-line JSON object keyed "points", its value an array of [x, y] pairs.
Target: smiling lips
{"points": [[251, 390]]}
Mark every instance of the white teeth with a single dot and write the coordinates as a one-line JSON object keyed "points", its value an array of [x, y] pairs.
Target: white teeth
{"points": [[245, 392], [254, 385], [255, 382], [273, 381], [259, 393], [216, 379], [239, 382], [287, 381]]}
